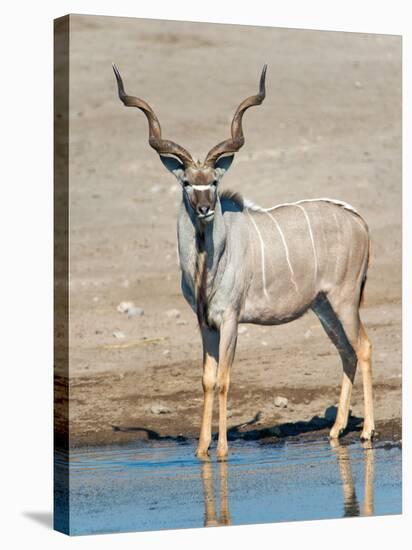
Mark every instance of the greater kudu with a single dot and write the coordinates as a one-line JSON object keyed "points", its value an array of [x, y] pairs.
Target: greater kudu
{"points": [[242, 263]]}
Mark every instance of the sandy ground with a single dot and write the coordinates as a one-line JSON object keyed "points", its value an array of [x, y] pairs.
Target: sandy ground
{"points": [[330, 126]]}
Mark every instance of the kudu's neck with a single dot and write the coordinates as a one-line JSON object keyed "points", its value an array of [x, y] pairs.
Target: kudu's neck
{"points": [[201, 245]]}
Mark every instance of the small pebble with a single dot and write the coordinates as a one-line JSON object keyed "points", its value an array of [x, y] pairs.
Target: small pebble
{"points": [[281, 402], [123, 307], [308, 334], [173, 313], [135, 312], [159, 409], [264, 343], [242, 329], [182, 322], [166, 352], [118, 334]]}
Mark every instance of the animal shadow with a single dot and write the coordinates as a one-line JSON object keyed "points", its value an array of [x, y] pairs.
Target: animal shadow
{"points": [[292, 429], [151, 435], [248, 432]]}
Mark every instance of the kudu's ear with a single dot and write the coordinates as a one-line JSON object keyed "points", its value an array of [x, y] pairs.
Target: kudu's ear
{"points": [[173, 165], [223, 164]]}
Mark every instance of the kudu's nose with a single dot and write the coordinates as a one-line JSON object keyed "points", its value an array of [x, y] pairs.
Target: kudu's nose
{"points": [[203, 210]]}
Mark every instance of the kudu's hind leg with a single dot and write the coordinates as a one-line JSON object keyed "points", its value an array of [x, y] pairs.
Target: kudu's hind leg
{"points": [[364, 353], [210, 339], [343, 331], [341, 322], [348, 315]]}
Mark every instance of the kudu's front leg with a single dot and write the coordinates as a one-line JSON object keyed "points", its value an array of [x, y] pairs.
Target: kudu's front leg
{"points": [[227, 347], [210, 340]]}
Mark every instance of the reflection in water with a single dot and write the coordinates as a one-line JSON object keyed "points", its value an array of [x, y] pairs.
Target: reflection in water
{"points": [[350, 500], [162, 486], [211, 518], [351, 505], [368, 505]]}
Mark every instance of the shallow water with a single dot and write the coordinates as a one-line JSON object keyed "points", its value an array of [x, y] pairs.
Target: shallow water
{"points": [[162, 486]]}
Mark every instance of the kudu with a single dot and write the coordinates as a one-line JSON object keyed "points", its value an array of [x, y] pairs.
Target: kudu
{"points": [[241, 263]]}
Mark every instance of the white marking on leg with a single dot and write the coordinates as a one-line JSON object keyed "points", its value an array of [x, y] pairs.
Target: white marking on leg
{"points": [[311, 238], [262, 247], [282, 236]]}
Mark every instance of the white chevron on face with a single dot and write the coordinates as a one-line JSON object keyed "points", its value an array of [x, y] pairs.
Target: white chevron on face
{"points": [[201, 187]]}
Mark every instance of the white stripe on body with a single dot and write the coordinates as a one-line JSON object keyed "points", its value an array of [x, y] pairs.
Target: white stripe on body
{"points": [[282, 236], [338, 241], [252, 206], [262, 246], [311, 238]]}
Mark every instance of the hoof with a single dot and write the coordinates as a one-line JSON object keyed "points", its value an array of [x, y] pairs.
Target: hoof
{"points": [[202, 454], [221, 454], [335, 432], [367, 435]]}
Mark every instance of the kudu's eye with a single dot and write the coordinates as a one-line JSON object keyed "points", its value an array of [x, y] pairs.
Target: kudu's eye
{"points": [[214, 183], [186, 183]]}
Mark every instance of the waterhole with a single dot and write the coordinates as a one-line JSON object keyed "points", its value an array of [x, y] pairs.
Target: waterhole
{"points": [[151, 486]]}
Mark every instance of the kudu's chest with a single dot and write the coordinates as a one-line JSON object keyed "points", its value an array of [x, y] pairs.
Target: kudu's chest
{"points": [[208, 291]]}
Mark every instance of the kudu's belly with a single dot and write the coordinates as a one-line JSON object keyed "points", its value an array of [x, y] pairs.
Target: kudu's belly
{"points": [[275, 307]]}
